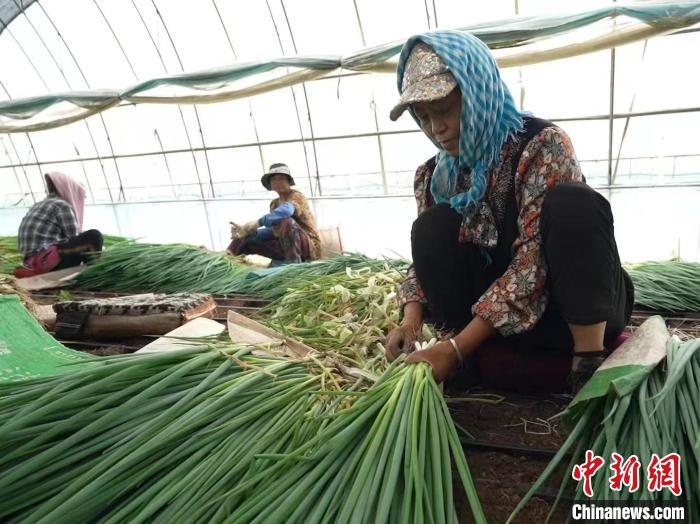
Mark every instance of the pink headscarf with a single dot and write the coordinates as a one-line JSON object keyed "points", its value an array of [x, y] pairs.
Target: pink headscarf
{"points": [[71, 191]]}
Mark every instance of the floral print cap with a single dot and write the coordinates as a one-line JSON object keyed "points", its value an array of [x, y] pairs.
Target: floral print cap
{"points": [[425, 78]]}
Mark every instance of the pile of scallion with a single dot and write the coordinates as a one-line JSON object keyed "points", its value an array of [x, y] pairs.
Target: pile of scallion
{"points": [[671, 286], [9, 256], [217, 434], [385, 459], [167, 268], [660, 416], [274, 285], [173, 268], [345, 313]]}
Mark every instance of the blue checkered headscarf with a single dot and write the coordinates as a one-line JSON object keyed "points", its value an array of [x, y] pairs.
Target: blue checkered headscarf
{"points": [[487, 119]]}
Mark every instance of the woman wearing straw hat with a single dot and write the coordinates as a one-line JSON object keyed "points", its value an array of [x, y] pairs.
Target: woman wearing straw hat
{"points": [[288, 233], [510, 244]]}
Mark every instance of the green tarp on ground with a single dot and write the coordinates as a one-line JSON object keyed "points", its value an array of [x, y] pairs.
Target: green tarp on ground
{"points": [[26, 350]]}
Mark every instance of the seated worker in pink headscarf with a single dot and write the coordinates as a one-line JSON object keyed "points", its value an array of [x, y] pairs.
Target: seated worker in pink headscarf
{"points": [[288, 233], [50, 235]]}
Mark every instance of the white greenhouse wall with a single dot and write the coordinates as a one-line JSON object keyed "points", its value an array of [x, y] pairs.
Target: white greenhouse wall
{"points": [[650, 224]]}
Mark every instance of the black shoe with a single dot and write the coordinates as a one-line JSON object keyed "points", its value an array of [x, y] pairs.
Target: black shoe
{"points": [[583, 367]]}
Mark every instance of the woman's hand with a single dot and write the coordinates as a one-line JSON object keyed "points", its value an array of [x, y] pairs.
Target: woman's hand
{"points": [[441, 357], [401, 340]]}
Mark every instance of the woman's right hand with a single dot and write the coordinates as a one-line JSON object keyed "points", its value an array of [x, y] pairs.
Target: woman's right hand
{"points": [[401, 340]]}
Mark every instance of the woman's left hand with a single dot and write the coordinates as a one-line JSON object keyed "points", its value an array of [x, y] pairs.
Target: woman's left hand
{"points": [[441, 357]]}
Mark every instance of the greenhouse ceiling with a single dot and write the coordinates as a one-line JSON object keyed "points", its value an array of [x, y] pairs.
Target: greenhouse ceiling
{"points": [[148, 101]]}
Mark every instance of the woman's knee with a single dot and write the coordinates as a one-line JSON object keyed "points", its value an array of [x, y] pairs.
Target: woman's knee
{"points": [[575, 206], [435, 226]]}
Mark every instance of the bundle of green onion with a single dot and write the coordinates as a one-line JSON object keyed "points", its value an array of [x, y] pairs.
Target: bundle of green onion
{"points": [[167, 268], [671, 286], [9, 256], [216, 434], [385, 459], [139, 436], [660, 416], [274, 285], [346, 313]]}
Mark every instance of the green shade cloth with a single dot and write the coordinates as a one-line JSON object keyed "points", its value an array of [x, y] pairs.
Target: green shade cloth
{"points": [[26, 350]]}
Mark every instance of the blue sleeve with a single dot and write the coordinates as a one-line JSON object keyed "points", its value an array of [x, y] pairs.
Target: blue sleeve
{"points": [[277, 215]]}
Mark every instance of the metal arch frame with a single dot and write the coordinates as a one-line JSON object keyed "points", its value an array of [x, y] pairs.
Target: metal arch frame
{"points": [[133, 71], [250, 104], [14, 148], [65, 78], [199, 125], [5, 27], [179, 107], [611, 119], [14, 169], [101, 117], [610, 116], [9, 96], [19, 9], [116, 39], [601, 117], [136, 78], [627, 122], [196, 113], [306, 101], [373, 103], [427, 13], [297, 111]]}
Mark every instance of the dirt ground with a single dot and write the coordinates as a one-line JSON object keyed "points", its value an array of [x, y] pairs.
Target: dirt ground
{"points": [[514, 439]]}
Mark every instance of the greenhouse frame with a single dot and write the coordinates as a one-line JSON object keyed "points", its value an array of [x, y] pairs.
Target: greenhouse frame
{"points": [[325, 111], [313, 261]]}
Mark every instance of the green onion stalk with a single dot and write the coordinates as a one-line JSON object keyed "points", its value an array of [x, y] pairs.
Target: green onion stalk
{"points": [[166, 268], [671, 286], [274, 285], [346, 313], [136, 437], [660, 416], [388, 458], [9, 255], [220, 434], [173, 268]]}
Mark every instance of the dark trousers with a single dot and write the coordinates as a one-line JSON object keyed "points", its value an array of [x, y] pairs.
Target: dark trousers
{"points": [[79, 249], [291, 243], [586, 283]]}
